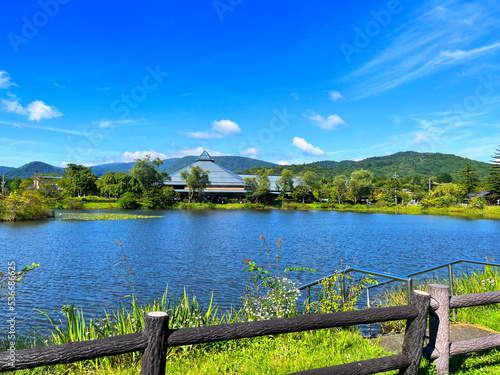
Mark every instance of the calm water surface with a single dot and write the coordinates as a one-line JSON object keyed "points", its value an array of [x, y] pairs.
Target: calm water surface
{"points": [[204, 251]]}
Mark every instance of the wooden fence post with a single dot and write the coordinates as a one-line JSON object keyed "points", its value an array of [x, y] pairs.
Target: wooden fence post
{"points": [[415, 331], [156, 330], [439, 328]]}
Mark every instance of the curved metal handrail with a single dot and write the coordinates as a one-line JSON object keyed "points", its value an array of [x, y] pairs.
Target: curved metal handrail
{"points": [[408, 279]]}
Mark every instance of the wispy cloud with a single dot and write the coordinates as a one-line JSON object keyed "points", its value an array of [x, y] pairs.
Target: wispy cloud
{"points": [[334, 95], [22, 125], [307, 148], [13, 105], [329, 123], [5, 80], [439, 36]]}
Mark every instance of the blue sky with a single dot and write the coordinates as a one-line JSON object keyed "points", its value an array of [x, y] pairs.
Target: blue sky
{"points": [[108, 81]]}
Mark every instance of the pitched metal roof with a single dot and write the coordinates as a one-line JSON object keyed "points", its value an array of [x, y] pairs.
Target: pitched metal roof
{"points": [[217, 175]]}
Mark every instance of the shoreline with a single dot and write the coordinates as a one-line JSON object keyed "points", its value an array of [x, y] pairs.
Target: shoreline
{"points": [[488, 212]]}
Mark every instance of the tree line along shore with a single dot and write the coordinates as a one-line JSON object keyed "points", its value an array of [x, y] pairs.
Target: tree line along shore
{"points": [[144, 187]]}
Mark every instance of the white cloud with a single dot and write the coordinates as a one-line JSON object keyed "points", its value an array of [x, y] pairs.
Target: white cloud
{"points": [[421, 139], [220, 129], [251, 152], [307, 148], [282, 162], [128, 156], [59, 85], [295, 96], [5, 81], [38, 110], [334, 95], [329, 123], [226, 127], [12, 105]]}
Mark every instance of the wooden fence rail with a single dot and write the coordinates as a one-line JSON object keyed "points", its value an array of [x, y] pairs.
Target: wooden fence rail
{"points": [[439, 348], [156, 338]]}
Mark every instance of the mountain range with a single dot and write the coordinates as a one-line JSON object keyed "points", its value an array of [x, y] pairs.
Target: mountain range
{"points": [[233, 163], [403, 163]]}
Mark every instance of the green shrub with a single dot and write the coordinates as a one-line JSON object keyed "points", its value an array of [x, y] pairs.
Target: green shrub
{"points": [[73, 204], [477, 202], [128, 202], [25, 205]]}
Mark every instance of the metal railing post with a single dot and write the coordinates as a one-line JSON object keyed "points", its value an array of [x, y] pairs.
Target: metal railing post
{"points": [[452, 293], [409, 288], [342, 287], [308, 299]]}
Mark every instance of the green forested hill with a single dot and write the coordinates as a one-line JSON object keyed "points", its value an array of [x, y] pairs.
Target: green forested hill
{"points": [[403, 163], [28, 170], [5, 169]]}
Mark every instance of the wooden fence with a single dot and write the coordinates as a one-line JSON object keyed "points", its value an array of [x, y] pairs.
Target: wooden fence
{"points": [[440, 349], [156, 338]]}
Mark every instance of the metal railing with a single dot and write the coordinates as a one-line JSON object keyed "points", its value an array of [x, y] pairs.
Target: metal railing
{"points": [[408, 279], [449, 265]]}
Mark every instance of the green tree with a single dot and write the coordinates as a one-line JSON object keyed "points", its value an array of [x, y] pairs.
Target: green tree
{"points": [[117, 184], [14, 185], [468, 179], [361, 184], [159, 196], [146, 172], [306, 182], [259, 186], [340, 188], [284, 184], [494, 178], [444, 178], [25, 205], [196, 180], [78, 180], [322, 189]]}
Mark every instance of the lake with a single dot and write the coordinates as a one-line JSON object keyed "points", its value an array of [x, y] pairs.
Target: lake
{"points": [[203, 250]]}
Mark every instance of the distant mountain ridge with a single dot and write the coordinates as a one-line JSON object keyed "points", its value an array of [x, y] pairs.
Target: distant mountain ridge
{"points": [[28, 170], [5, 169], [172, 165], [122, 167], [232, 163], [403, 163], [406, 163]]}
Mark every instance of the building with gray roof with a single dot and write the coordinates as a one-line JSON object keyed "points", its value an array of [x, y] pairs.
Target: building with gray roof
{"points": [[224, 184]]}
